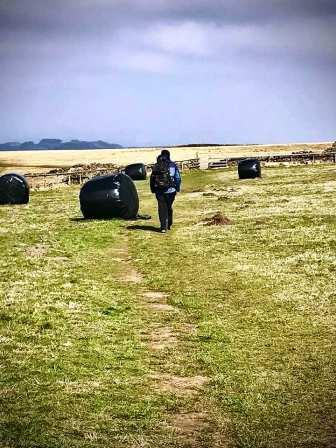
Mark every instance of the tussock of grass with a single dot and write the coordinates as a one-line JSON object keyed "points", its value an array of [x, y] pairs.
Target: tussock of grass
{"points": [[251, 311]]}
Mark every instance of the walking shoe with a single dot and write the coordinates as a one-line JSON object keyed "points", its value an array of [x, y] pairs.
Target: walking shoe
{"points": [[163, 230]]}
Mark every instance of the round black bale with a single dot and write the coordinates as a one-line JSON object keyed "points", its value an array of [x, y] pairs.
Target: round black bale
{"points": [[14, 189], [249, 169], [113, 196], [136, 171]]}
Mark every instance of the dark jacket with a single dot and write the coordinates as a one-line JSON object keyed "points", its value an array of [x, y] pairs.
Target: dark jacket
{"points": [[175, 176]]}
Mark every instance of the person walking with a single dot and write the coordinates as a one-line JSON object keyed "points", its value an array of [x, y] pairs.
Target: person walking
{"points": [[165, 182]]}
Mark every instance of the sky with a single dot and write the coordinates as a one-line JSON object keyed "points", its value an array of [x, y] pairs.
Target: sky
{"points": [[164, 72]]}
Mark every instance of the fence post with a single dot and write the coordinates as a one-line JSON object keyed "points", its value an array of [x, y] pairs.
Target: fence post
{"points": [[204, 161]]}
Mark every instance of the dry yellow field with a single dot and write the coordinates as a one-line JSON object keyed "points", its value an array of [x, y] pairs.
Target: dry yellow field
{"points": [[41, 160]]}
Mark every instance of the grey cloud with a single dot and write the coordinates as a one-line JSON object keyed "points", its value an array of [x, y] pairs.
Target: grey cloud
{"points": [[40, 27], [72, 55], [93, 14]]}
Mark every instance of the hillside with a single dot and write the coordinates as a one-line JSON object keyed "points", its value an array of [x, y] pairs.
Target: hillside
{"points": [[55, 143]]}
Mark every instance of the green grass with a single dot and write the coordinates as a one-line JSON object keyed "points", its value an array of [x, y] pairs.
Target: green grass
{"points": [[254, 315]]}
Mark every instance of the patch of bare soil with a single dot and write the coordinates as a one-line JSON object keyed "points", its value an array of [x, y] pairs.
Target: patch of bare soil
{"points": [[77, 387], [128, 274], [60, 259], [162, 307], [190, 425], [197, 430], [218, 220], [155, 296], [178, 384], [162, 338], [117, 259], [187, 328], [37, 251], [157, 301], [132, 276], [122, 251]]}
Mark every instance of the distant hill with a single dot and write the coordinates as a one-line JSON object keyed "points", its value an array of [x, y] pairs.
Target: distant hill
{"points": [[56, 143]]}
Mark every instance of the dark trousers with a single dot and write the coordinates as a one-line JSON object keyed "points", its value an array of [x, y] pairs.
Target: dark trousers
{"points": [[165, 207]]}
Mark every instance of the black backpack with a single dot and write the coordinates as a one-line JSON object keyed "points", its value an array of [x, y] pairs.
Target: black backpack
{"points": [[161, 175]]}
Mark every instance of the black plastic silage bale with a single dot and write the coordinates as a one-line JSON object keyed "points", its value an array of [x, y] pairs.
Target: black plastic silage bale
{"points": [[249, 169], [113, 196], [14, 189], [136, 171]]}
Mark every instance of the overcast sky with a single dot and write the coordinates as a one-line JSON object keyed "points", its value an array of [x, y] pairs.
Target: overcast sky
{"points": [[150, 72]]}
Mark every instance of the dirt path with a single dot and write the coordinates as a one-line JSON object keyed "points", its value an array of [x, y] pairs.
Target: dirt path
{"points": [[186, 426]]}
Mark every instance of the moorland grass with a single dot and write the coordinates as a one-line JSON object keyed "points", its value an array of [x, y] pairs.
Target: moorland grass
{"points": [[252, 315]]}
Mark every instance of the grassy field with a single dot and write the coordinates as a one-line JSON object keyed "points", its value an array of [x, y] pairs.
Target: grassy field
{"points": [[114, 335], [37, 161]]}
